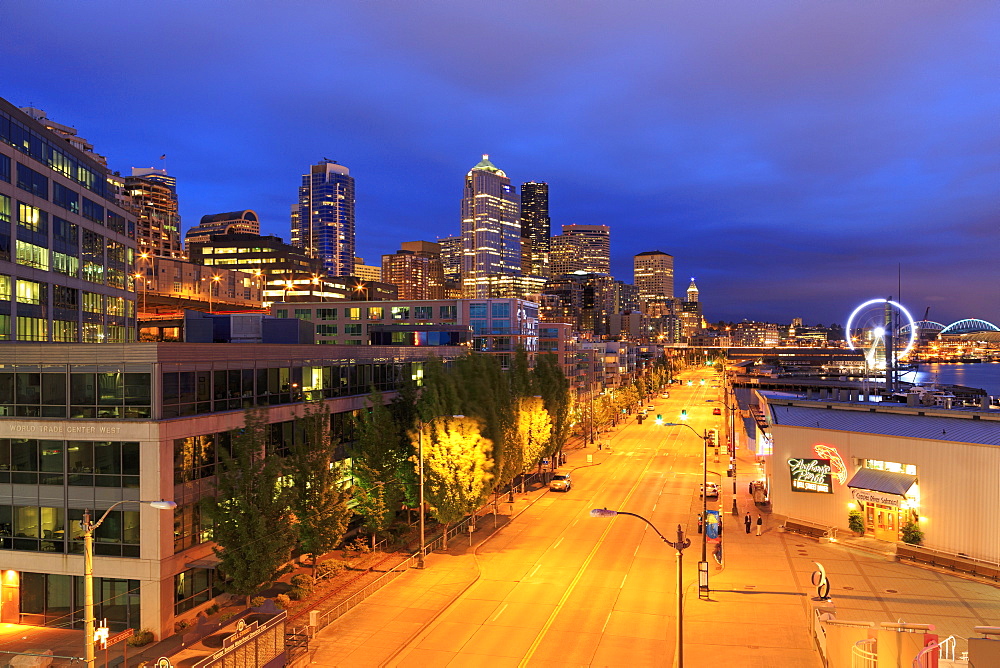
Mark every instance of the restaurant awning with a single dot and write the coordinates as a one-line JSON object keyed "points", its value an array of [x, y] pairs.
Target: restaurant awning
{"points": [[882, 481]]}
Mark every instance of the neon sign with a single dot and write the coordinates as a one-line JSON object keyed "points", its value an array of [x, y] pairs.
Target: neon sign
{"points": [[836, 462], [811, 475]]}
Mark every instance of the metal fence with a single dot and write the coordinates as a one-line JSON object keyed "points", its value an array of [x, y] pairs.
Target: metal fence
{"points": [[864, 655]]}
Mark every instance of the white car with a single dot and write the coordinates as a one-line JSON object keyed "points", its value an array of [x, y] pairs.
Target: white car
{"points": [[713, 491], [561, 482]]}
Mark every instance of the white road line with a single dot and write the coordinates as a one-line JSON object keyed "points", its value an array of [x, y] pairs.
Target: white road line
{"points": [[606, 620], [554, 546], [654, 506], [497, 616], [534, 570]]}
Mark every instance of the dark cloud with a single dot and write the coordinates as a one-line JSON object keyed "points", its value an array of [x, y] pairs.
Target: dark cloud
{"points": [[793, 156]]}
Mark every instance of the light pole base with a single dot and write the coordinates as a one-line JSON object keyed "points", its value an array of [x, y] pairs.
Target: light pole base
{"points": [[736, 511]]}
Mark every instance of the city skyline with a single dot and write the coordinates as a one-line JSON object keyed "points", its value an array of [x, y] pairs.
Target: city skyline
{"points": [[797, 161]]}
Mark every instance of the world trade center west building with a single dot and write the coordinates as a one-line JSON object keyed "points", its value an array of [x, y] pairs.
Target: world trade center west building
{"points": [[86, 426]]}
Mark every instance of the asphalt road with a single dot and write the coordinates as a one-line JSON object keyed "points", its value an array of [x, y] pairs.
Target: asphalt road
{"points": [[560, 587], [556, 587]]}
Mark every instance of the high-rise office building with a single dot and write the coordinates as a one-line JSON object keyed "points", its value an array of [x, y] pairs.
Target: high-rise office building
{"points": [[323, 219], [653, 274], [595, 246], [451, 257], [151, 194], [66, 243], [536, 224], [581, 248], [491, 227]]}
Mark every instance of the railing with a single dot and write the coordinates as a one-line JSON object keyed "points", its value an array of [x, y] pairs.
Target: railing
{"points": [[943, 650], [863, 654]]}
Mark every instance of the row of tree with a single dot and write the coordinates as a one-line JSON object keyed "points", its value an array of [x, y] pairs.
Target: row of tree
{"points": [[477, 426]]}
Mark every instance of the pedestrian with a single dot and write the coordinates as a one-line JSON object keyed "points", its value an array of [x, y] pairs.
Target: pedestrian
{"points": [[750, 488], [760, 524], [747, 522]]}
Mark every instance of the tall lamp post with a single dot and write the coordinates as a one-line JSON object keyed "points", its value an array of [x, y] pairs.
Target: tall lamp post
{"points": [[679, 545], [703, 564], [88, 571]]}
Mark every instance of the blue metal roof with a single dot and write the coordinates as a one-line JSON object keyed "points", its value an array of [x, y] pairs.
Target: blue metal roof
{"points": [[882, 481], [887, 423]]}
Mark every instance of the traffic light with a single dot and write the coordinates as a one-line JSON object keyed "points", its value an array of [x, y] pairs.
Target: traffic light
{"points": [[659, 419], [684, 414]]}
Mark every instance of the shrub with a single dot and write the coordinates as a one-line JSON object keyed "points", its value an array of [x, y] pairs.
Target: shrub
{"points": [[359, 545], [299, 593], [283, 601], [856, 521], [330, 569], [257, 601], [140, 638], [183, 624], [226, 616], [912, 533], [301, 580], [212, 609]]}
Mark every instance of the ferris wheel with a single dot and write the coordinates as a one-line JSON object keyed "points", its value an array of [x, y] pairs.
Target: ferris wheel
{"points": [[868, 327]]}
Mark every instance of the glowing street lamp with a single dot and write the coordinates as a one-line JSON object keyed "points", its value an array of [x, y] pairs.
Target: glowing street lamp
{"points": [[679, 545], [88, 571]]}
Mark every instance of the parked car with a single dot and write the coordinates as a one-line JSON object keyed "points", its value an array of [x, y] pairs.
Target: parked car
{"points": [[561, 482], [716, 411], [713, 491], [650, 408]]}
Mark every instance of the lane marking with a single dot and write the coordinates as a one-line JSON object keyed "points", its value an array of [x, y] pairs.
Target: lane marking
{"points": [[534, 570], [556, 544], [497, 616]]}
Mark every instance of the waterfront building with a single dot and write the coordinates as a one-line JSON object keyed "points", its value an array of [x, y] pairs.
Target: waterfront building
{"points": [[935, 468], [653, 274], [151, 195], [67, 246], [323, 217], [90, 426], [232, 222], [752, 333], [536, 224], [491, 228], [165, 286]]}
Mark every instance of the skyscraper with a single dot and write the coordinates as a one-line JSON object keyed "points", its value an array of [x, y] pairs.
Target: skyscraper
{"points": [[653, 274], [581, 248], [323, 219], [416, 270], [536, 224], [491, 227], [152, 195]]}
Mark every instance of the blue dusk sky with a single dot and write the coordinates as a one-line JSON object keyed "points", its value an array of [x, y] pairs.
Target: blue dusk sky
{"points": [[791, 156]]}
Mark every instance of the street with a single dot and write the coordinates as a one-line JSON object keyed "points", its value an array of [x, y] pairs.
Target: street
{"points": [[557, 586]]}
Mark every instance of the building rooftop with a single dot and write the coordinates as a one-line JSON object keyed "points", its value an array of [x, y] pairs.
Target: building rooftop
{"points": [[888, 420]]}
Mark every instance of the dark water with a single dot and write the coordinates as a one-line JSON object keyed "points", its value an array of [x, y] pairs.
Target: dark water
{"points": [[984, 376]]}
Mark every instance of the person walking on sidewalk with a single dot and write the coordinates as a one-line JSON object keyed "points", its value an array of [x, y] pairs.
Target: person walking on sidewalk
{"points": [[747, 522], [760, 524]]}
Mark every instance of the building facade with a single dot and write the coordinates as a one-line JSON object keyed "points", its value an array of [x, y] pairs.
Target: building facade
{"points": [[491, 227], [653, 274], [151, 195], [91, 426], [497, 326], [416, 269], [536, 224], [67, 247], [592, 244], [894, 464], [323, 218], [232, 222]]}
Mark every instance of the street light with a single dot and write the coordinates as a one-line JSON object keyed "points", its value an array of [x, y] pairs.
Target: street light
{"points": [[680, 545], [211, 286], [704, 496], [88, 571]]}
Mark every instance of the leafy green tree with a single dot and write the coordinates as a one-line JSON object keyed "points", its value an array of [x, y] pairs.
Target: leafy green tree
{"points": [[456, 468], [380, 455], [551, 384], [251, 520], [317, 485], [534, 431]]}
